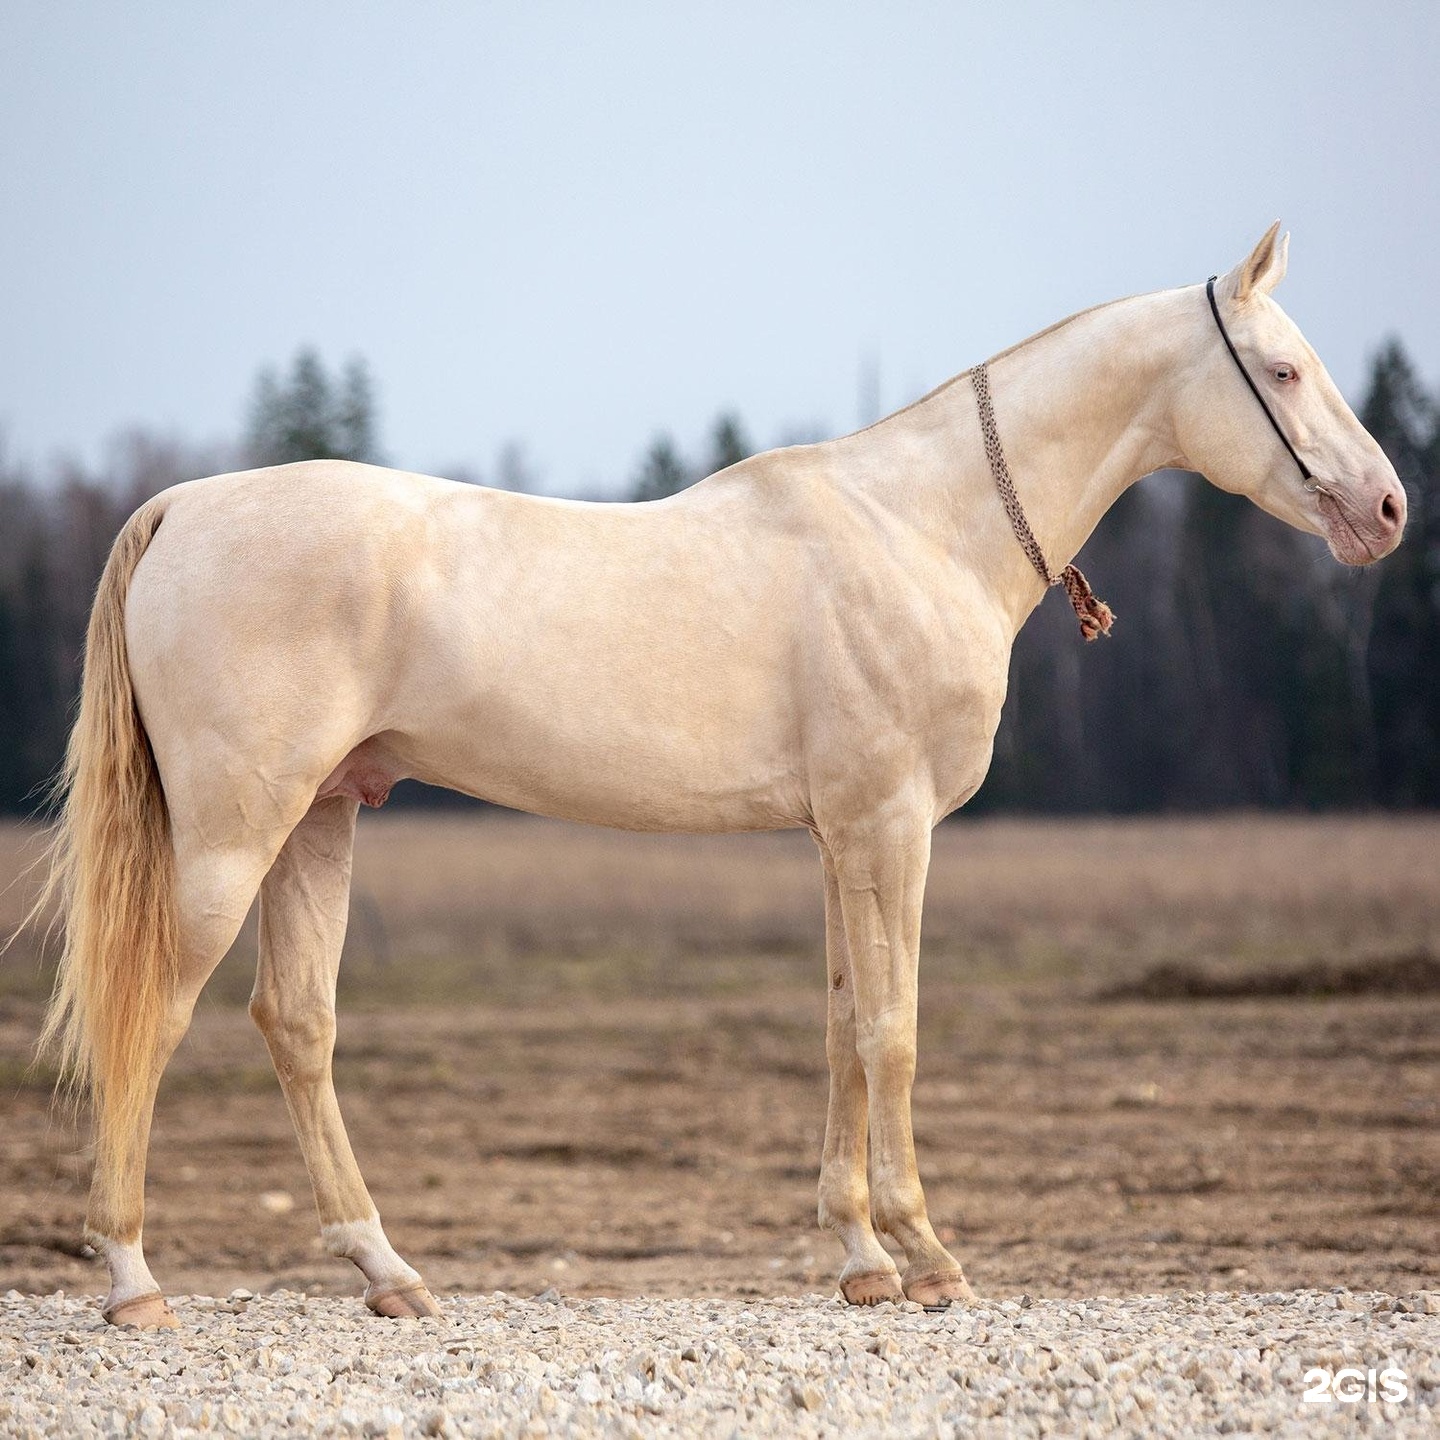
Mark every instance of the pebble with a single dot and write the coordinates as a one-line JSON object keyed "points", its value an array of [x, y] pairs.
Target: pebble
{"points": [[282, 1363]]}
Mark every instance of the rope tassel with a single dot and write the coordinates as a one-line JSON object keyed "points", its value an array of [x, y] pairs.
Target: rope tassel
{"points": [[1095, 616]]}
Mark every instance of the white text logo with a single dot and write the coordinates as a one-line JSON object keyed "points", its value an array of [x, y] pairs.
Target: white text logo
{"points": [[1350, 1385]]}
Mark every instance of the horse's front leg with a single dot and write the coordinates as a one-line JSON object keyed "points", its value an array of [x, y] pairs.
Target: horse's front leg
{"points": [[880, 867], [869, 1275]]}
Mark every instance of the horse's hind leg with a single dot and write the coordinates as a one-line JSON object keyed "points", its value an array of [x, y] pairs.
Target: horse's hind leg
{"points": [[304, 903], [213, 892]]}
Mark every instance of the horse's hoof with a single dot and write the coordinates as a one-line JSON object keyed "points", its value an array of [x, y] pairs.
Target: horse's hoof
{"points": [[939, 1290], [874, 1287], [144, 1312], [405, 1302]]}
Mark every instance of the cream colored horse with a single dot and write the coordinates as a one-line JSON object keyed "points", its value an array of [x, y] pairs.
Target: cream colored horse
{"points": [[816, 637]]}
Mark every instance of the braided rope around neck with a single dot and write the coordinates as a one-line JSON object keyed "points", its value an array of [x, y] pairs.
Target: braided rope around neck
{"points": [[1095, 615]]}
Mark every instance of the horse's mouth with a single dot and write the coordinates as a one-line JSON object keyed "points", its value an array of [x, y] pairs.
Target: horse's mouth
{"points": [[1349, 542]]}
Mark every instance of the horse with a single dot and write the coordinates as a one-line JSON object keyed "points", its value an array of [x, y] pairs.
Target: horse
{"points": [[816, 637]]}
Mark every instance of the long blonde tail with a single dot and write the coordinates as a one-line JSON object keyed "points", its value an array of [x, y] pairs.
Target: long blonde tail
{"points": [[112, 870]]}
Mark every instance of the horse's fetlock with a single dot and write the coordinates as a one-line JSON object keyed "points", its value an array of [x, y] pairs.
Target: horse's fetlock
{"points": [[109, 1224], [842, 1205], [899, 1208]]}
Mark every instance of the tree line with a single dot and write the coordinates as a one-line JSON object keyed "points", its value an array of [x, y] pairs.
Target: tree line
{"points": [[1247, 668]]}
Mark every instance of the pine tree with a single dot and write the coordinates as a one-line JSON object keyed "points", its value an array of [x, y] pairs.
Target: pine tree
{"points": [[355, 415], [310, 417], [662, 472], [728, 443], [1405, 635]]}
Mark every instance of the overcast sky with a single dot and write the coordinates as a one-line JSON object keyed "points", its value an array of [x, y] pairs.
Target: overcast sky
{"points": [[575, 225]]}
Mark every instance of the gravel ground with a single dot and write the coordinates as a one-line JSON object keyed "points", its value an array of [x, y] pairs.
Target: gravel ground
{"points": [[278, 1364]]}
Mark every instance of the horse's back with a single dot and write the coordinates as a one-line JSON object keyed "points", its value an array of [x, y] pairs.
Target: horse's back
{"points": [[629, 664]]}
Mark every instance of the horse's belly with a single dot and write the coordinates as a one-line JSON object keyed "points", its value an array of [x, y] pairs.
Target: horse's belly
{"points": [[601, 790], [627, 771]]}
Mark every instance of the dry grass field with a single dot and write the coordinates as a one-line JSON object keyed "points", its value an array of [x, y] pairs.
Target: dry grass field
{"points": [[596, 1060]]}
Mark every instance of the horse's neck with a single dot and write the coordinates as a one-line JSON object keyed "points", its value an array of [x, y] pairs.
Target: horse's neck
{"points": [[1083, 411]]}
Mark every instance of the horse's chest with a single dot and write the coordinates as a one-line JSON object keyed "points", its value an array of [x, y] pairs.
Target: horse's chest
{"points": [[925, 711], [957, 741]]}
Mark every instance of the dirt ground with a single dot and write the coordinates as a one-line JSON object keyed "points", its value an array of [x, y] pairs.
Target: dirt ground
{"points": [[612, 1103]]}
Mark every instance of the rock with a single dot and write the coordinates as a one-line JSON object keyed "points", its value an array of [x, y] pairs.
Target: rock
{"points": [[388, 1423], [278, 1364], [151, 1422], [807, 1396]]}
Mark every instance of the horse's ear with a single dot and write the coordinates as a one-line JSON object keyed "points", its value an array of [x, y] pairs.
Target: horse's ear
{"points": [[1263, 269]]}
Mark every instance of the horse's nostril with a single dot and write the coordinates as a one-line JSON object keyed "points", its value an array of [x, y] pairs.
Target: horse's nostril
{"points": [[1389, 510]]}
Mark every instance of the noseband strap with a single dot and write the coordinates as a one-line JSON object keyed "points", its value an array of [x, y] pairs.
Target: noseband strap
{"points": [[1310, 482]]}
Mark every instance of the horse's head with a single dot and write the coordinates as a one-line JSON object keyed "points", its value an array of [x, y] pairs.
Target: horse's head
{"points": [[1354, 498]]}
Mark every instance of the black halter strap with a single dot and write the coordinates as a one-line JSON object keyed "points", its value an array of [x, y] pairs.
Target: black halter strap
{"points": [[1310, 481]]}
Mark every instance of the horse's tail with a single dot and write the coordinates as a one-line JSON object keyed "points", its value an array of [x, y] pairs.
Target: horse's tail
{"points": [[111, 869]]}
